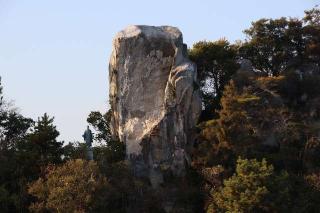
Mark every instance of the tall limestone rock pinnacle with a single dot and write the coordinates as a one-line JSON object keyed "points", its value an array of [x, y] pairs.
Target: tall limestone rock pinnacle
{"points": [[155, 99]]}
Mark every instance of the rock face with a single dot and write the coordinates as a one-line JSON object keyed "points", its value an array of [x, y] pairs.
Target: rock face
{"points": [[154, 97]]}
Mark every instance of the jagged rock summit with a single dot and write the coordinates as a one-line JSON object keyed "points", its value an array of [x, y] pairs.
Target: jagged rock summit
{"points": [[155, 99]]}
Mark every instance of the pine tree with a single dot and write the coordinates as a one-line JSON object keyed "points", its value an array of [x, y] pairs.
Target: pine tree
{"points": [[253, 188], [43, 141]]}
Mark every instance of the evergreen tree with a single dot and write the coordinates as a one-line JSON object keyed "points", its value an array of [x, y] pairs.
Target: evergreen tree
{"points": [[253, 188], [43, 141], [216, 63], [13, 130], [109, 150]]}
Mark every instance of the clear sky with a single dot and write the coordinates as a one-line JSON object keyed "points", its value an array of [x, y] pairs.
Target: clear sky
{"points": [[54, 53]]}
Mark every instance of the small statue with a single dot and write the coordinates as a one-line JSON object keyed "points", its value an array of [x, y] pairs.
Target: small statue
{"points": [[88, 137]]}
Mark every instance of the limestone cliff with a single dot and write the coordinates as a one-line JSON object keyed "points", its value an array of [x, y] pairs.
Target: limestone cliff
{"points": [[155, 99]]}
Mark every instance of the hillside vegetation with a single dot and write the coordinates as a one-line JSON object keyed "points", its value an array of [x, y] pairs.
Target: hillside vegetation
{"points": [[257, 148]]}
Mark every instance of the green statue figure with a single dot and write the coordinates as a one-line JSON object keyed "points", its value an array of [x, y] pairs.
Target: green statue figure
{"points": [[88, 138]]}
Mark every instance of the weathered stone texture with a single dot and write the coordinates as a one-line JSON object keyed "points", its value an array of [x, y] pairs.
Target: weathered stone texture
{"points": [[154, 96]]}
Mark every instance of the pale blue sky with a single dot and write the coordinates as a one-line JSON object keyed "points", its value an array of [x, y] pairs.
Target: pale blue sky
{"points": [[54, 53]]}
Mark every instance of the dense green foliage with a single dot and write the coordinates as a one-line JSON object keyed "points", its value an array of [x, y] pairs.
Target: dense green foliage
{"points": [[272, 45], [253, 188], [269, 113], [110, 149], [276, 44], [216, 63], [259, 119], [26, 148]]}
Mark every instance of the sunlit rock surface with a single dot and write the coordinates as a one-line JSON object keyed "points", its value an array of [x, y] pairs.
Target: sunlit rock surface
{"points": [[154, 95]]}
